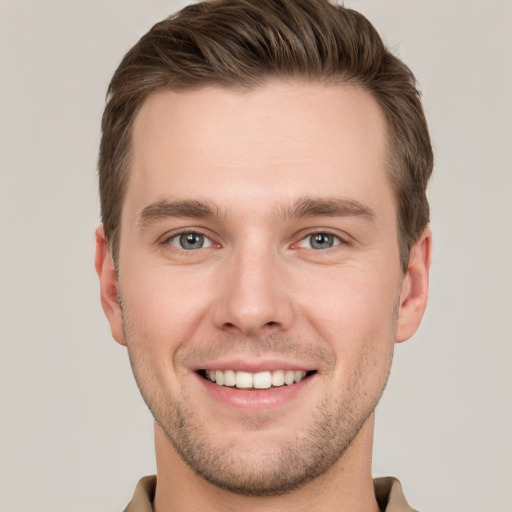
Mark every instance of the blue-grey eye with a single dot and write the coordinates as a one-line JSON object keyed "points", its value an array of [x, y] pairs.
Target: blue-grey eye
{"points": [[190, 241], [319, 241]]}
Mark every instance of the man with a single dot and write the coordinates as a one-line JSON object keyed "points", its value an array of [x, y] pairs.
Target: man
{"points": [[265, 243]]}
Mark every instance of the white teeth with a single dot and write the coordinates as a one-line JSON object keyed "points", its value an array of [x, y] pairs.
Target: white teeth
{"points": [[278, 378], [260, 380], [289, 377], [299, 376], [229, 378], [243, 380]]}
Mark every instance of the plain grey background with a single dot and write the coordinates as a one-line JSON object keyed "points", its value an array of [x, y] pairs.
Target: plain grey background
{"points": [[74, 432]]}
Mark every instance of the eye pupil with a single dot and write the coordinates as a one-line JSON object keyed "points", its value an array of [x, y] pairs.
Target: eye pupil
{"points": [[191, 241], [321, 241]]}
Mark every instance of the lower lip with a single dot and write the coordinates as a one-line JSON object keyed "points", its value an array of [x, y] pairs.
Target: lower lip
{"points": [[255, 399]]}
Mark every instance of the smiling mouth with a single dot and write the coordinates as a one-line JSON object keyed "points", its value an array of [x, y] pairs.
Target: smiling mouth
{"points": [[260, 380]]}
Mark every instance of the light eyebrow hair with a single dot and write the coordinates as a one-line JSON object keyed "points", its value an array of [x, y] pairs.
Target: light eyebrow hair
{"points": [[331, 207], [183, 208]]}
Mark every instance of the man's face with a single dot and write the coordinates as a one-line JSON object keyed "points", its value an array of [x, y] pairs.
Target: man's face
{"points": [[259, 245]]}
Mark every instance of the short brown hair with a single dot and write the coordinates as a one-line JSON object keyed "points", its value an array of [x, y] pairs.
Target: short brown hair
{"points": [[245, 43]]}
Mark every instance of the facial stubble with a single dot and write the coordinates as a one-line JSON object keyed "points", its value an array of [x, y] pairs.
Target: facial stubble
{"points": [[274, 470]]}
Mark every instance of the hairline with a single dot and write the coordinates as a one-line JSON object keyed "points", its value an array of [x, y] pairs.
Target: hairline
{"points": [[392, 164]]}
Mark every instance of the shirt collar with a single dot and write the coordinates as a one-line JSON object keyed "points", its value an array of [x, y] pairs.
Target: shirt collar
{"points": [[388, 492]]}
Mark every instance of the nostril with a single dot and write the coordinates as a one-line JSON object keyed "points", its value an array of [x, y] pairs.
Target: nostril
{"points": [[249, 328]]}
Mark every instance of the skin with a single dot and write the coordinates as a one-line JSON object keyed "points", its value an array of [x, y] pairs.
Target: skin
{"points": [[273, 166]]}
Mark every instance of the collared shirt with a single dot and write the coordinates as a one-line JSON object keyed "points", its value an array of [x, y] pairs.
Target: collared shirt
{"points": [[388, 492]]}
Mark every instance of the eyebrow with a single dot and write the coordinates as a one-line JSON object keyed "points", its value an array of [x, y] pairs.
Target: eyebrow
{"points": [[327, 207], [301, 208], [184, 208]]}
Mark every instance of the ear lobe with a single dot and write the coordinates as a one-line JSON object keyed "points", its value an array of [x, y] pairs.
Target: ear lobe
{"points": [[414, 293], [108, 287]]}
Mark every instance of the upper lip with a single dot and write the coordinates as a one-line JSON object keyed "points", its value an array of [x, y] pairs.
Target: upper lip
{"points": [[254, 366]]}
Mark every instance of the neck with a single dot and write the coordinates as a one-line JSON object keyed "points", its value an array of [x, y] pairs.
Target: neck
{"points": [[347, 486]]}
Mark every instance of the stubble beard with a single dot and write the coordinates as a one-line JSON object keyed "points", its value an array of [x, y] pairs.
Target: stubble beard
{"points": [[332, 427], [267, 473]]}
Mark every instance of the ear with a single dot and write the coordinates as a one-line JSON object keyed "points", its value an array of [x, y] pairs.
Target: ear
{"points": [[414, 293], [108, 287]]}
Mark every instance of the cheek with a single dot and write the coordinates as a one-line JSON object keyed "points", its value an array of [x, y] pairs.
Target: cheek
{"points": [[154, 322], [164, 303], [360, 329], [355, 312]]}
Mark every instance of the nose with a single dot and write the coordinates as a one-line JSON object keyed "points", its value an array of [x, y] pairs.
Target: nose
{"points": [[253, 298]]}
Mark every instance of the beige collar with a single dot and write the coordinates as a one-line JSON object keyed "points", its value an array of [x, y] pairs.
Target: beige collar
{"points": [[388, 492]]}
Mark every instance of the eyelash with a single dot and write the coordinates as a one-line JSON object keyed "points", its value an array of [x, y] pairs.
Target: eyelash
{"points": [[176, 236], [337, 240]]}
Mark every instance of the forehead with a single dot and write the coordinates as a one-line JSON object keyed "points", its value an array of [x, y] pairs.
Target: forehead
{"points": [[279, 141]]}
